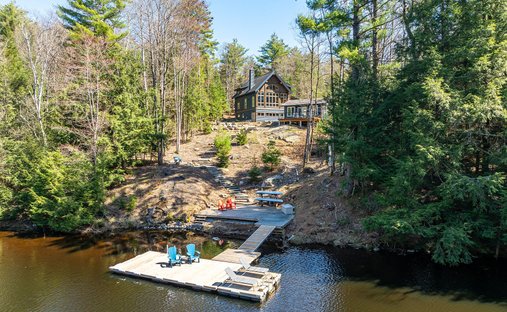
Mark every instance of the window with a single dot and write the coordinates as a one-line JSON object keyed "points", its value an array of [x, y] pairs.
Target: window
{"points": [[290, 111], [262, 98], [283, 97]]}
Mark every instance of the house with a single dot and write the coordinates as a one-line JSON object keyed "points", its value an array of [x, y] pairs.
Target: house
{"points": [[296, 111], [266, 98], [261, 98]]}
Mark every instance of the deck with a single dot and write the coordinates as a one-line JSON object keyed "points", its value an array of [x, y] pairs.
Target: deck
{"points": [[208, 275], [270, 216], [233, 256], [298, 120]]}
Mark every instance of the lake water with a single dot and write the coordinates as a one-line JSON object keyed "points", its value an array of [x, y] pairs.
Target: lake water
{"points": [[70, 274]]}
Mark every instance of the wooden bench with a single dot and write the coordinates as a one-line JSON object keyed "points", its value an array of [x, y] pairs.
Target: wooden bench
{"points": [[240, 197], [269, 193], [274, 201]]}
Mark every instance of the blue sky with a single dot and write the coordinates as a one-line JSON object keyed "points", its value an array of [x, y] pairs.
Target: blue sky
{"points": [[250, 21]]}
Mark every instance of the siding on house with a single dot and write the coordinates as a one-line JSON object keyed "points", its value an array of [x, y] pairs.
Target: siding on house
{"points": [[244, 107], [263, 101]]}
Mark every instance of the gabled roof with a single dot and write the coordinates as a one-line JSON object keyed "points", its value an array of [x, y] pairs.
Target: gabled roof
{"points": [[258, 83]]}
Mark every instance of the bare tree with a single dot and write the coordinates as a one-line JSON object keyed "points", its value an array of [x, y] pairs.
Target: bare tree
{"points": [[41, 46], [168, 32], [311, 40], [186, 55], [154, 30], [89, 65]]}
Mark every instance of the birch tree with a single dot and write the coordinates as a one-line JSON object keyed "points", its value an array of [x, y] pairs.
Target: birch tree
{"points": [[41, 46]]}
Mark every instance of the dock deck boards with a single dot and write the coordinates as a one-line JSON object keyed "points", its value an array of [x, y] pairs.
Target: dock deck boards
{"points": [[233, 256], [251, 213], [257, 238], [207, 275]]}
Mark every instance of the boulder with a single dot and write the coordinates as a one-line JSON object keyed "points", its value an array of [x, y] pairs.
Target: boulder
{"points": [[294, 138]]}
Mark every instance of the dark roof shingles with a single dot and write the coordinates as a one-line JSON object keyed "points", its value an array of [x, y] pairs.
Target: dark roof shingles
{"points": [[258, 83]]}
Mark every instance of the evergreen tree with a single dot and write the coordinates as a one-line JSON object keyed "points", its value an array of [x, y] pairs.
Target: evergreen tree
{"points": [[232, 61], [429, 141], [131, 126], [14, 77], [272, 51], [93, 17]]}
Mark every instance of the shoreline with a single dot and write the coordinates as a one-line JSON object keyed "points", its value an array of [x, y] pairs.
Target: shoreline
{"points": [[224, 230]]}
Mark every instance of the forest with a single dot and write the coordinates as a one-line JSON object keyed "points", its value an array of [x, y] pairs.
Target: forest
{"points": [[417, 124]]}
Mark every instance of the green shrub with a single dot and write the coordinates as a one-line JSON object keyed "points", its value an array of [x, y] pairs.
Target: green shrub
{"points": [[255, 174], [271, 156], [223, 146], [207, 129], [58, 192], [242, 137], [129, 203]]}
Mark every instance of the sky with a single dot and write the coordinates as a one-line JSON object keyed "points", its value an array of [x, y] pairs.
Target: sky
{"points": [[250, 21]]}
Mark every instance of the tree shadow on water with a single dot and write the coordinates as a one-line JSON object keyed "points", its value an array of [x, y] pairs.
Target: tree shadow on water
{"points": [[485, 280]]}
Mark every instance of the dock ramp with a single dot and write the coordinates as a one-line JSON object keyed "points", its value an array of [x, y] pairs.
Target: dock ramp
{"points": [[257, 238]]}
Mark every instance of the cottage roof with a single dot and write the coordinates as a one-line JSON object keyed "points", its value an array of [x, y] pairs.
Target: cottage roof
{"points": [[258, 83], [301, 102]]}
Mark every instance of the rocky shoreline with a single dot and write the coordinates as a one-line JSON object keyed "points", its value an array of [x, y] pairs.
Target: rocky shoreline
{"points": [[218, 228]]}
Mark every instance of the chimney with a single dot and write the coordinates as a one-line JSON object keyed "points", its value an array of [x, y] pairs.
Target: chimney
{"points": [[251, 78]]}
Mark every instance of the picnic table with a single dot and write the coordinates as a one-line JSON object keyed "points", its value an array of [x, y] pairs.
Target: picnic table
{"points": [[269, 197]]}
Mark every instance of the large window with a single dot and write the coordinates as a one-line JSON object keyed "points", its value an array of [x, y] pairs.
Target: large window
{"points": [[260, 98]]}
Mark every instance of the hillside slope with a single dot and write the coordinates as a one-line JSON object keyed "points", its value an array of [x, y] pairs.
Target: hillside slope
{"points": [[157, 195]]}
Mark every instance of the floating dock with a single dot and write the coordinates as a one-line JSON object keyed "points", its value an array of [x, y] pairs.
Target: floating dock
{"points": [[208, 275], [234, 255]]}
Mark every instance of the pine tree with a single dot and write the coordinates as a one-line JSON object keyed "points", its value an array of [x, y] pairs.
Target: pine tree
{"points": [[93, 17], [15, 74], [444, 131], [232, 61], [272, 51]]}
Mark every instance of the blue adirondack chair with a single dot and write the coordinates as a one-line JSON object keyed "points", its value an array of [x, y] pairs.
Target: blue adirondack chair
{"points": [[174, 257], [193, 254]]}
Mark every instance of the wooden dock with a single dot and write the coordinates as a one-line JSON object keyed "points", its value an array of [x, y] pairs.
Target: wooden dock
{"points": [[257, 238], [249, 214], [233, 256], [207, 275]]}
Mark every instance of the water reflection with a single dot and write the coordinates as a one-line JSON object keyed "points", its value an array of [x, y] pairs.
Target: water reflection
{"points": [[70, 274]]}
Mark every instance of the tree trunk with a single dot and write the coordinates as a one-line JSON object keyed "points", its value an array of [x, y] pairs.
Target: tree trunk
{"points": [[374, 42], [355, 37], [306, 155], [332, 152]]}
